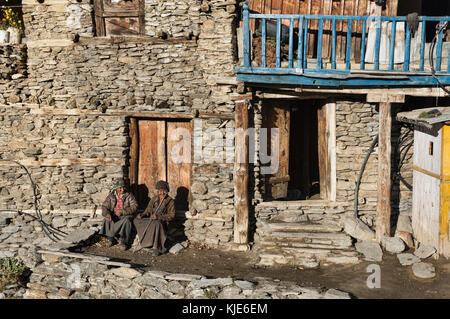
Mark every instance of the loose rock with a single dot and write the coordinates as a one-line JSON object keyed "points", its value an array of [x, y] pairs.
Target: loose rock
{"points": [[371, 250], [357, 229], [407, 259], [393, 245], [424, 251], [424, 270]]}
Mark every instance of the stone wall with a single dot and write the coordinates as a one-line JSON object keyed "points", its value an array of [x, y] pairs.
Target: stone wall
{"points": [[55, 118], [56, 20]]}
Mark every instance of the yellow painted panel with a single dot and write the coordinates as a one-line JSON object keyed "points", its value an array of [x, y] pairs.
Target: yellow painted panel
{"points": [[445, 150], [445, 186]]}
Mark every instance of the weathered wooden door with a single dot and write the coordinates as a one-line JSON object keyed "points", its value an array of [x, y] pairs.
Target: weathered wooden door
{"points": [[119, 17], [276, 115], [163, 153]]}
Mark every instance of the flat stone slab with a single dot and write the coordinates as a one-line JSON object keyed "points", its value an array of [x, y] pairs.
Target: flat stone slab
{"points": [[204, 283], [79, 236], [424, 251], [123, 272], [393, 245], [407, 259], [371, 250], [336, 294], [243, 284], [183, 277], [424, 270]]}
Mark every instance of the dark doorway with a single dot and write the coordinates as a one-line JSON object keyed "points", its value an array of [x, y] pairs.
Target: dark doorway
{"points": [[304, 160], [303, 169]]}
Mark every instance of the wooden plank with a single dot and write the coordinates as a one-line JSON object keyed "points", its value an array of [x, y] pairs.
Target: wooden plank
{"points": [[277, 115], [179, 162], [322, 151], [383, 223], [331, 156], [152, 155], [241, 218], [90, 258], [134, 156]]}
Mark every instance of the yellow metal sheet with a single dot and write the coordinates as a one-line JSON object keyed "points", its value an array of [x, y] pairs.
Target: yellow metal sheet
{"points": [[445, 185]]}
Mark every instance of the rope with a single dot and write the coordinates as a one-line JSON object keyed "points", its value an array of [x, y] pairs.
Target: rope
{"points": [[49, 230]]}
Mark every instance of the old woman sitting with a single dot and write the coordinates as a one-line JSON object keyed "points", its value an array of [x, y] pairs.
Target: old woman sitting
{"points": [[151, 225], [118, 209]]}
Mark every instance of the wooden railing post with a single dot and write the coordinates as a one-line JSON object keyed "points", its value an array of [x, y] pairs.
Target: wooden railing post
{"points": [[246, 35]]}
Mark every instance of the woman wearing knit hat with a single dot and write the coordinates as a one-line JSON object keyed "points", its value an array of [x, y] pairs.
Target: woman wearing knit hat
{"points": [[118, 209], [151, 225]]}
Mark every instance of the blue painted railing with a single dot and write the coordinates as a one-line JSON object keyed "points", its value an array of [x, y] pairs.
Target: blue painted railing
{"points": [[303, 69]]}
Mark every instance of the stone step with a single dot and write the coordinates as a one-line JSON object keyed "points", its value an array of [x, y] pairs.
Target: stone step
{"points": [[307, 257], [334, 241], [297, 227], [277, 244]]}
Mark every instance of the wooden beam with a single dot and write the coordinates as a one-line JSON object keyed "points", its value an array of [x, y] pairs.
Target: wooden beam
{"points": [[31, 162], [383, 224], [241, 218], [134, 155], [385, 98]]}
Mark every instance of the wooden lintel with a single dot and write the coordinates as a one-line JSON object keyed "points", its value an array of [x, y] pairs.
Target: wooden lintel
{"points": [[31, 162], [383, 224], [146, 114], [242, 97], [385, 98], [291, 96]]}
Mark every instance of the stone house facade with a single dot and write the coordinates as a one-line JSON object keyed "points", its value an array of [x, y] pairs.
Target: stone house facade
{"points": [[69, 99]]}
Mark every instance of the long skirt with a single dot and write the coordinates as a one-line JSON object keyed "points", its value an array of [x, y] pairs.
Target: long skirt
{"points": [[152, 234], [118, 226]]}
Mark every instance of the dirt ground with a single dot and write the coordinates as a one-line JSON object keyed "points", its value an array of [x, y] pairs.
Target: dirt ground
{"points": [[397, 282]]}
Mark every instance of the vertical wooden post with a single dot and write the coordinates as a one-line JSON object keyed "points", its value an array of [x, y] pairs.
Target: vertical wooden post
{"points": [[241, 203], [134, 155], [246, 36], [384, 172]]}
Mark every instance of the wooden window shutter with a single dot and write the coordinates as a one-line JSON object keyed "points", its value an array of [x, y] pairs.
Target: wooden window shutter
{"points": [[119, 17]]}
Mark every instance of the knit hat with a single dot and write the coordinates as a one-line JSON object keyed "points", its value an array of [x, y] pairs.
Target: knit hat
{"points": [[162, 185], [118, 183]]}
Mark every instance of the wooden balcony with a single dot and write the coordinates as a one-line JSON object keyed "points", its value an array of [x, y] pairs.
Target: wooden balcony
{"points": [[344, 51]]}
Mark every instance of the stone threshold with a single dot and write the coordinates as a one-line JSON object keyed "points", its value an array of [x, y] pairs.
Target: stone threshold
{"points": [[302, 203]]}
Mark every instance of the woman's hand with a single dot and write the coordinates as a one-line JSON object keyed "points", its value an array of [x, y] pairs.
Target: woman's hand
{"points": [[154, 217]]}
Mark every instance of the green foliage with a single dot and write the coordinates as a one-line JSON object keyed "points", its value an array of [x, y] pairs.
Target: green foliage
{"points": [[209, 294], [13, 269]]}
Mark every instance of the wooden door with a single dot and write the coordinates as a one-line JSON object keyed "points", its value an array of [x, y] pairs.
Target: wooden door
{"points": [[277, 115], [119, 17], [179, 162], [153, 160]]}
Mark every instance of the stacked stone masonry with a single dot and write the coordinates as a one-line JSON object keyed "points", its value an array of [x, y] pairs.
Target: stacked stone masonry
{"points": [[57, 97]]}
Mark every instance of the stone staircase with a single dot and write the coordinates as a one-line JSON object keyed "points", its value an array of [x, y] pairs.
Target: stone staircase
{"points": [[305, 234]]}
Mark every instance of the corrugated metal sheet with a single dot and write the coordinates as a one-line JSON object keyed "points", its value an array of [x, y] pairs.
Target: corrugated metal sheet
{"points": [[413, 116]]}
